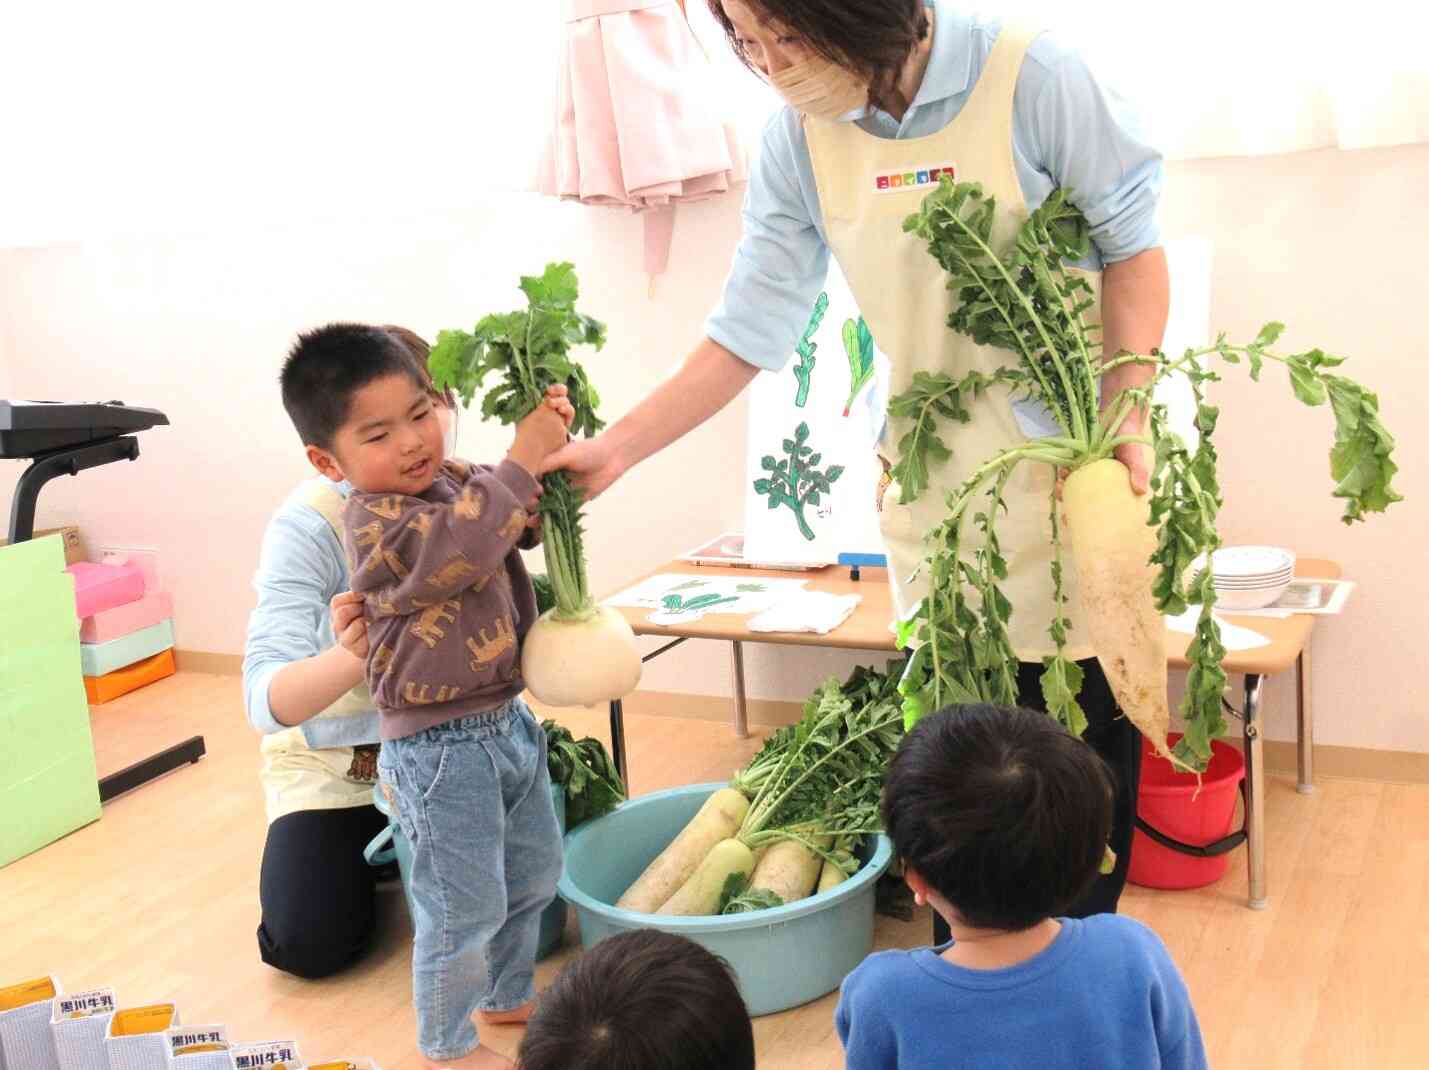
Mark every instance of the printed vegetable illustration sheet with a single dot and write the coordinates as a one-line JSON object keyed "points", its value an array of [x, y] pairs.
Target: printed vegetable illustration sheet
{"points": [[681, 598], [811, 473]]}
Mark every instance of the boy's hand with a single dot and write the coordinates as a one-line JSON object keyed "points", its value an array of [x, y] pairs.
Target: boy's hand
{"points": [[349, 624], [557, 398], [538, 435]]}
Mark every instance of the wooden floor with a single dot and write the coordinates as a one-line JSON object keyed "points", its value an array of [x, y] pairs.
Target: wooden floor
{"points": [[159, 900]]}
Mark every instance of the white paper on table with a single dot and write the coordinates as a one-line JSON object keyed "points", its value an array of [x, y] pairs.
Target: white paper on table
{"points": [[749, 594], [1233, 636], [808, 611]]}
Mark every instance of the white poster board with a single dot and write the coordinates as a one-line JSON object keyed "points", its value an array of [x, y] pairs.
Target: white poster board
{"points": [[812, 431], [826, 395]]}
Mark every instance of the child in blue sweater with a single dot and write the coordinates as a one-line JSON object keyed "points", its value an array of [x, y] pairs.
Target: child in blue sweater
{"points": [[1001, 818]]}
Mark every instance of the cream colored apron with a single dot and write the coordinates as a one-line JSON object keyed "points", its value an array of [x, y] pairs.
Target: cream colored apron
{"points": [[296, 776], [867, 186]]}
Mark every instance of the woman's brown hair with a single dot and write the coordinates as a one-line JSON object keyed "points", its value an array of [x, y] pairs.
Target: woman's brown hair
{"points": [[417, 347], [871, 39]]}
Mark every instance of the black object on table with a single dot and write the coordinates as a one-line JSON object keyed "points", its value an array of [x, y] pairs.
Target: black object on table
{"points": [[855, 562], [60, 438]]}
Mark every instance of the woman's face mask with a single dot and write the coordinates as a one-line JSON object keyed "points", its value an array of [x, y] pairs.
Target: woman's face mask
{"points": [[820, 88], [808, 82]]}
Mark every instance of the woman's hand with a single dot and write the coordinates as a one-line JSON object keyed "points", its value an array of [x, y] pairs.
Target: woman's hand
{"points": [[349, 624], [1137, 458], [708, 380], [592, 463], [1135, 305]]}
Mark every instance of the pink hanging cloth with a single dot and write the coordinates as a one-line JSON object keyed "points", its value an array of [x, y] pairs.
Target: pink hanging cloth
{"points": [[635, 123]]}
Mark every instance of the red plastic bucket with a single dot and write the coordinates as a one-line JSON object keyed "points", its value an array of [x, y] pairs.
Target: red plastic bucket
{"points": [[1169, 803]]}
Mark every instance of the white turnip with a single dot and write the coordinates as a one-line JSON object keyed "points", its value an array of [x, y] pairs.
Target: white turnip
{"points": [[581, 661]]}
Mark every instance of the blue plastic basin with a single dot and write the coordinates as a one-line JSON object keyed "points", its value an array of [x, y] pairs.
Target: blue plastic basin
{"points": [[782, 957], [391, 843]]}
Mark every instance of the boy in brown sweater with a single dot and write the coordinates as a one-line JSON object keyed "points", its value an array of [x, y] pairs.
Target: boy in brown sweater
{"points": [[433, 548]]}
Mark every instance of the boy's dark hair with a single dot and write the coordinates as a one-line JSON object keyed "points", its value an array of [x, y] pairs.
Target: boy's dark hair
{"points": [[872, 40], [330, 364], [1001, 810], [643, 1000]]}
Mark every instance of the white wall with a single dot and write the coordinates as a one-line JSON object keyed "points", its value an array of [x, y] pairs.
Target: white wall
{"points": [[4, 349], [1330, 243], [197, 326]]}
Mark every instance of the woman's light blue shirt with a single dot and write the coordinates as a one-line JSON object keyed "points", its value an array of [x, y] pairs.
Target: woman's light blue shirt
{"points": [[1068, 131]]}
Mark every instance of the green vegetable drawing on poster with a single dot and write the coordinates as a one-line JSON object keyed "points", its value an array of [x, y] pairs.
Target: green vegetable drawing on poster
{"points": [[807, 347], [858, 343], [674, 603], [796, 481]]}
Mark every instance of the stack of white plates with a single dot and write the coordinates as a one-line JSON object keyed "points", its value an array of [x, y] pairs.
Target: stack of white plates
{"points": [[1250, 577]]}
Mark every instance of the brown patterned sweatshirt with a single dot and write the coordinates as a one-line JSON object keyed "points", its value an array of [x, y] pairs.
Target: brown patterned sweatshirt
{"points": [[447, 596]]}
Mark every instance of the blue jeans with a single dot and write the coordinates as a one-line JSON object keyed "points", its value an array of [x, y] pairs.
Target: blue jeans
{"points": [[473, 798]]}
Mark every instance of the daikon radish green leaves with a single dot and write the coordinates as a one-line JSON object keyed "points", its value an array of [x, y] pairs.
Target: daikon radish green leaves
{"points": [[1026, 299], [584, 771]]}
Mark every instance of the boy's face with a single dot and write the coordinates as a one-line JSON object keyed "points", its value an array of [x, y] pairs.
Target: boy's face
{"points": [[391, 442]]}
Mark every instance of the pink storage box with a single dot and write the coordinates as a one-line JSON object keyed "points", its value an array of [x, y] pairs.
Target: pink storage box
{"points": [[127, 619], [101, 587]]}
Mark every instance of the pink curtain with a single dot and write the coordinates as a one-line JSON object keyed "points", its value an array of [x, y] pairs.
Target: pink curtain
{"points": [[635, 123]]}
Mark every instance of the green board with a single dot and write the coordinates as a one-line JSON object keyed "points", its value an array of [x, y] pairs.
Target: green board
{"points": [[48, 783]]}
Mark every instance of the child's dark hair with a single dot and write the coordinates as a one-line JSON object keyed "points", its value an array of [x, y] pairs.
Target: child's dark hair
{"points": [[1002, 811], [643, 1000], [330, 364]]}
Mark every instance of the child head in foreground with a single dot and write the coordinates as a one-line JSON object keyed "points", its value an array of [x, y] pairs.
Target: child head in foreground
{"points": [[643, 1000], [1000, 816], [365, 408]]}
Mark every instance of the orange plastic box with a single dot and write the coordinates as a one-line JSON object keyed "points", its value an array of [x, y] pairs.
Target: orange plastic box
{"points": [[111, 685]]}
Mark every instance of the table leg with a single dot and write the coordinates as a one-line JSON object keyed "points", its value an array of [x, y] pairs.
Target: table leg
{"points": [[1304, 723], [741, 709], [617, 721], [617, 741], [1255, 791]]}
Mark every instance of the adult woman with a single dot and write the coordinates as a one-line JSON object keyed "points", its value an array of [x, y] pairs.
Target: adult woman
{"points": [[883, 89], [308, 696]]}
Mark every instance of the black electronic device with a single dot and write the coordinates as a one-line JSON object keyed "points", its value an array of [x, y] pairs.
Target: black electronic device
{"points": [[28, 428], [65, 438]]}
